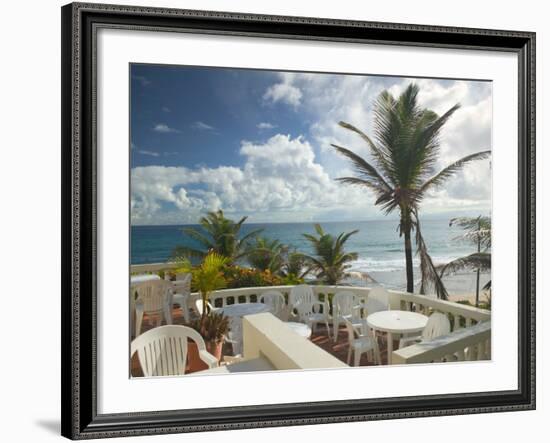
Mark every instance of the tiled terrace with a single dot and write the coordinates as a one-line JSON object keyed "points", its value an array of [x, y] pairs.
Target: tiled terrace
{"points": [[338, 349]]}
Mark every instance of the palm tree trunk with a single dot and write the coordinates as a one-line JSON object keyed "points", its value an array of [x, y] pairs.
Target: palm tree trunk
{"points": [[477, 277], [409, 260], [477, 289]]}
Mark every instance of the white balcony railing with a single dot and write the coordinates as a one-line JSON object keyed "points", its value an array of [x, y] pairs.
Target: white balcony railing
{"points": [[471, 327], [466, 344], [460, 315]]}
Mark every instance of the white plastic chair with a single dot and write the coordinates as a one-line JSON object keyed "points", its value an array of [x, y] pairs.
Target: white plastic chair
{"points": [[345, 306], [438, 325], [377, 300], [235, 335], [182, 291], [153, 298], [359, 343], [303, 300], [276, 301], [162, 351]]}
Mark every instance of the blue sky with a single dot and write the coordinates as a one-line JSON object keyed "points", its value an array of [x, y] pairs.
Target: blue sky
{"points": [[257, 143], [199, 116]]}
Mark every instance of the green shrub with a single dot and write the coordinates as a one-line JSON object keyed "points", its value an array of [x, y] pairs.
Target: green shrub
{"points": [[237, 277]]}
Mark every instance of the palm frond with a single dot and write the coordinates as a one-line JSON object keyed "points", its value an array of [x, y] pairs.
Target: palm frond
{"points": [[343, 237], [379, 155], [180, 252], [382, 194], [198, 236], [428, 271], [441, 177], [363, 167], [478, 260], [250, 235]]}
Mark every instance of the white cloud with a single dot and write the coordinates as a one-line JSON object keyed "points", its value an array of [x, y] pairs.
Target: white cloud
{"points": [[166, 109], [150, 153], [328, 99], [280, 179], [202, 126], [292, 179], [283, 92], [164, 128]]}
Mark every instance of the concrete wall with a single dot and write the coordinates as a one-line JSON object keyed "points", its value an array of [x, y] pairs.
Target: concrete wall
{"points": [[264, 335]]}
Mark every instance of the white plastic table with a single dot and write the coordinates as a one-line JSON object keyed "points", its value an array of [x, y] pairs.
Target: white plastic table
{"points": [[396, 322], [242, 309], [236, 312], [300, 328], [140, 278]]}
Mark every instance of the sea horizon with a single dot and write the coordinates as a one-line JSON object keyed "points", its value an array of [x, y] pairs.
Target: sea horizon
{"points": [[379, 247], [431, 217]]}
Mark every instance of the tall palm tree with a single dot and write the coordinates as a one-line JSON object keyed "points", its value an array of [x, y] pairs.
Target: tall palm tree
{"points": [[216, 234], [265, 254], [330, 261], [405, 150], [477, 230]]}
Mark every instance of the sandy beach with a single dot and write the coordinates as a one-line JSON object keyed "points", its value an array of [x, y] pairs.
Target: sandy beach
{"points": [[460, 286]]}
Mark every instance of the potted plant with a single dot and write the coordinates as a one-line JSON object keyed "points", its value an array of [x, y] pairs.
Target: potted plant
{"points": [[206, 278], [213, 329]]}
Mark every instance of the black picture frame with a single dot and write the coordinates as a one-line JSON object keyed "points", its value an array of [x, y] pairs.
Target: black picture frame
{"points": [[79, 174]]}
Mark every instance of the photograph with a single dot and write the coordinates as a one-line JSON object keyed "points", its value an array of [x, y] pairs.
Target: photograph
{"points": [[286, 220], [294, 217]]}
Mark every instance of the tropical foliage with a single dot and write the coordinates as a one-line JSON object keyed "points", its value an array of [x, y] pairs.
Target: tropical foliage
{"points": [[206, 278], [477, 230], [213, 328], [405, 150], [265, 254], [282, 261], [330, 261], [239, 277], [295, 267], [216, 234]]}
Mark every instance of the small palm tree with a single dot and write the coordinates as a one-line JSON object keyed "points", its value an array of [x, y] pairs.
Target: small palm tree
{"points": [[206, 278], [405, 150], [330, 261], [218, 234], [477, 230], [295, 265], [265, 254]]}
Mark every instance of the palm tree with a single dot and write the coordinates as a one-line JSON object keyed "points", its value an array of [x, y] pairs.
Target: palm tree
{"points": [[207, 277], [477, 231], [295, 265], [405, 149], [265, 254], [216, 234], [330, 260]]}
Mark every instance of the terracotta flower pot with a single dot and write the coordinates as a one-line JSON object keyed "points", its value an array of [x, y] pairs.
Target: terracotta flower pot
{"points": [[194, 362], [215, 348]]}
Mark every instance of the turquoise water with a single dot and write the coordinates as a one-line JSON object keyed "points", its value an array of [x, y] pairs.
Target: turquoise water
{"points": [[380, 249]]}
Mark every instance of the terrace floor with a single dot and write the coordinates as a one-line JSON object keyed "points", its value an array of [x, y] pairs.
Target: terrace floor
{"points": [[338, 349]]}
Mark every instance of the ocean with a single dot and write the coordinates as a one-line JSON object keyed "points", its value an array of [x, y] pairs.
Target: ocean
{"points": [[379, 247]]}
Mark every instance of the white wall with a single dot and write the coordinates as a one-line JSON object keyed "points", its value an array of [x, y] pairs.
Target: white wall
{"points": [[30, 221]]}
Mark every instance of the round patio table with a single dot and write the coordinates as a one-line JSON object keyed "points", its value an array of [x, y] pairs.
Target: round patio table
{"points": [[236, 312], [396, 322], [242, 309], [300, 328], [135, 279]]}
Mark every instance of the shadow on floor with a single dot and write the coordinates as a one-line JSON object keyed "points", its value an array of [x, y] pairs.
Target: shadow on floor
{"points": [[52, 426]]}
